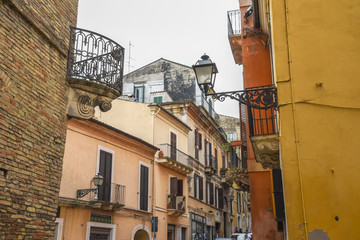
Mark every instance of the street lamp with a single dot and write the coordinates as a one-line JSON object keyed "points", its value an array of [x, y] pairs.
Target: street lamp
{"points": [[205, 72], [264, 97], [98, 181]]}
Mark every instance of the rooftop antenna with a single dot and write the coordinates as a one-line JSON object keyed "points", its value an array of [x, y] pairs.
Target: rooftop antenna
{"points": [[130, 58]]}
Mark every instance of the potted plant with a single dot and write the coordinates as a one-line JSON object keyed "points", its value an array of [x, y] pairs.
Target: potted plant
{"points": [[223, 171]]}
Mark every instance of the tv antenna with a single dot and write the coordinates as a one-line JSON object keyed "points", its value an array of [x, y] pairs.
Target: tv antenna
{"points": [[130, 58]]}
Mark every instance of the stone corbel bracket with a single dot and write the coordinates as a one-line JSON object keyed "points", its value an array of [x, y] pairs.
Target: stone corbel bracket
{"points": [[266, 150], [82, 103]]}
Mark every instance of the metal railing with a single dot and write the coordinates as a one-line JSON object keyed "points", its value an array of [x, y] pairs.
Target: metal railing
{"points": [[175, 154], [96, 58], [113, 193], [201, 101], [176, 202], [262, 119], [211, 161], [234, 22]]}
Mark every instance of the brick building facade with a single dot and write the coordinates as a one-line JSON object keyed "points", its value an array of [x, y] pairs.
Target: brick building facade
{"points": [[34, 39]]}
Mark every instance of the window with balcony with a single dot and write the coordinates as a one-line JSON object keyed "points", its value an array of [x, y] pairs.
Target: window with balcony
{"points": [[176, 200], [173, 143]]}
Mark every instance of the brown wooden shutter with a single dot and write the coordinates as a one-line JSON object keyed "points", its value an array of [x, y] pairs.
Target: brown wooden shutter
{"points": [[173, 146], [200, 141], [201, 188], [207, 192], [173, 186], [105, 171], [211, 193], [221, 198], [180, 187], [144, 191], [205, 153], [196, 144]]}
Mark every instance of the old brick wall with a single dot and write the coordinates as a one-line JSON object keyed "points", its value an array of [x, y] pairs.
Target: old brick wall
{"points": [[33, 41]]}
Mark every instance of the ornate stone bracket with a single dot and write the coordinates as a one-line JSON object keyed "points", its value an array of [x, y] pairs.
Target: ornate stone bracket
{"points": [[82, 103], [266, 150]]}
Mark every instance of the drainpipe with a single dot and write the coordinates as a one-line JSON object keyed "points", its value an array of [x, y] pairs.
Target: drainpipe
{"points": [[294, 119], [153, 170]]}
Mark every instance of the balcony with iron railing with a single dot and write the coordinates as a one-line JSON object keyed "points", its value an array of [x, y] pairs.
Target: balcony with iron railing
{"points": [[211, 165], [173, 158], [262, 127], [94, 72], [176, 205], [202, 102], [234, 34]]}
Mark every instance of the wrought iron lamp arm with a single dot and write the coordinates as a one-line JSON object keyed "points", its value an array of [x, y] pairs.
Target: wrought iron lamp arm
{"points": [[83, 192], [259, 98]]}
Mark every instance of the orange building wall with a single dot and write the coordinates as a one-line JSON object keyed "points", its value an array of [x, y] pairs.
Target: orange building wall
{"points": [[257, 72]]}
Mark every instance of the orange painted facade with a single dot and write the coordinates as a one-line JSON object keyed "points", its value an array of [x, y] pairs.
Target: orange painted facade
{"points": [[257, 73]]}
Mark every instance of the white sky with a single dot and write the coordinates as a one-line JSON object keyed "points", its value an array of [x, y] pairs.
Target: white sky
{"points": [[180, 31]]}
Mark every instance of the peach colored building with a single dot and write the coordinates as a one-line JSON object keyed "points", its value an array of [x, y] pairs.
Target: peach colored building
{"points": [[122, 208], [189, 201]]}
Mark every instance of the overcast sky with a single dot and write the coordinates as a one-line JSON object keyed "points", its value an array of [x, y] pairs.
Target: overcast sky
{"points": [[180, 31]]}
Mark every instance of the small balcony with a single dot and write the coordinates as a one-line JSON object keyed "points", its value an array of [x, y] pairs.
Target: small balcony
{"points": [[173, 158], [110, 197], [176, 205], [210, 165], [94, 72], [234, 34], [262, 126]]}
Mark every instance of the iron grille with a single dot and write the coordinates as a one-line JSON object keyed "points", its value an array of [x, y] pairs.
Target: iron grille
{"points": [[96, 58]]}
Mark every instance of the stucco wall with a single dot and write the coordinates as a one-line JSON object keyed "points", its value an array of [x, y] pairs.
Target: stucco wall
{"points": [[318, 89]]}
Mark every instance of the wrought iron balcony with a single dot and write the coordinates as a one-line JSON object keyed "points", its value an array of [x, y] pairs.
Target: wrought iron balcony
{"points": [[263, 132], [110, 197], [176, 205], [175, 159], [234, 34], [94, 72], [95, 58], [211, 164]]}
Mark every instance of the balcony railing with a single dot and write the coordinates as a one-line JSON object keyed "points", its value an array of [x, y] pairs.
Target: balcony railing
{"points": [[184, 162], [176, 203], [234, 22], [201, 101], [95, 58], [113, 193]]}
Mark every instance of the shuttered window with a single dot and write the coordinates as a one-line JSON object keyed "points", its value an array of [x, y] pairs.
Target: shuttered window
{"points": [[201, 188], [144, 187], [105, 171], [196, 144]]}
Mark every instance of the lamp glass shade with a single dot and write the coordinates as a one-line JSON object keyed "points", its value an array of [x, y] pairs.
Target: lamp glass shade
{"points": [[203, 74], [98, 180]]}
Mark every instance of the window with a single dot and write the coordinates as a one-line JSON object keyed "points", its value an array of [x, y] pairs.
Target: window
{"points": [[198, 187], [158, 99], [238, 202], [139, 93], [219, 198], [176, 189], [58, 228], [144, 187]]}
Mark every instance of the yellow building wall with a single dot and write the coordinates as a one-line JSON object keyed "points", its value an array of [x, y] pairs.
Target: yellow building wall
{"points": [[315, 57]]}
